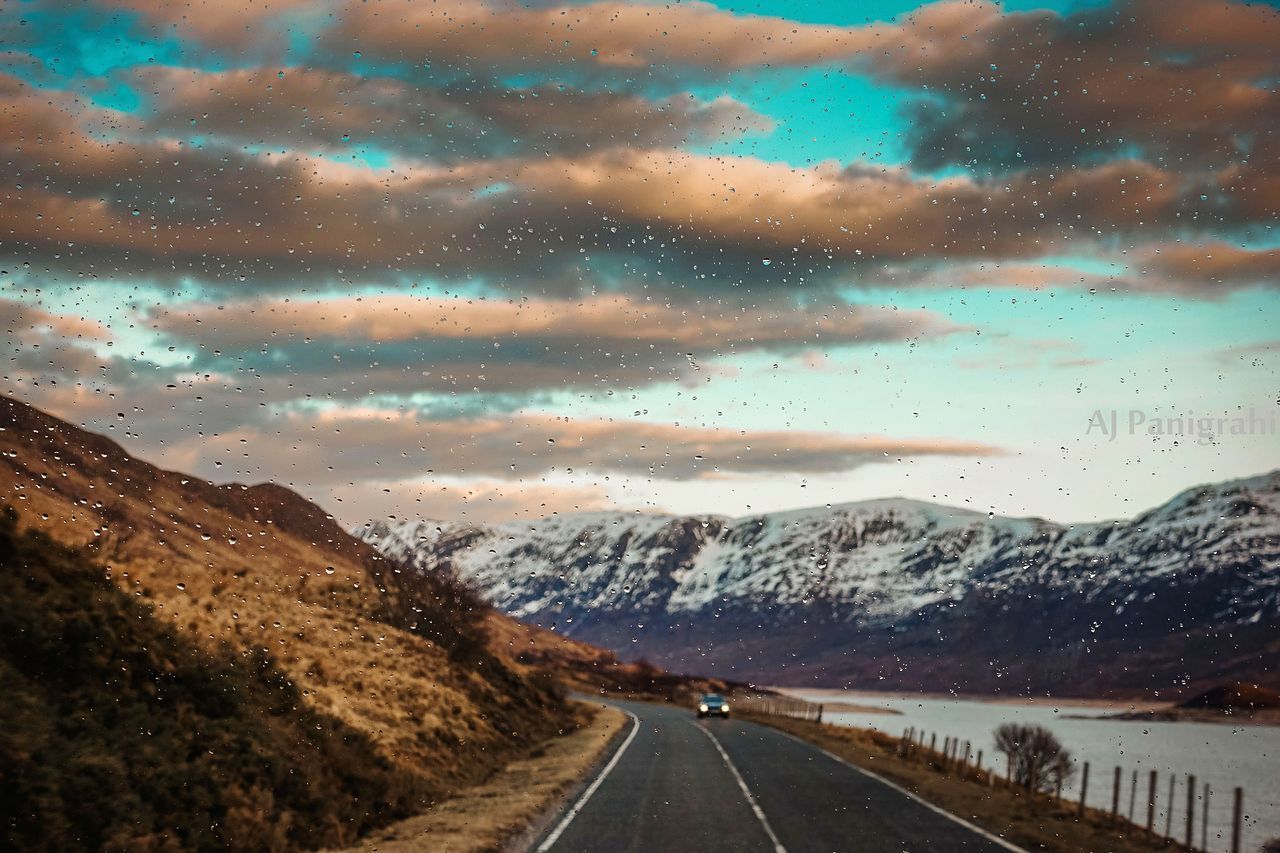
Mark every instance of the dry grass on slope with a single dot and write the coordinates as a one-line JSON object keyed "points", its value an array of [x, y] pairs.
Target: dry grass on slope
{"points": [[261, 568], [117, 733], [493, 815]]}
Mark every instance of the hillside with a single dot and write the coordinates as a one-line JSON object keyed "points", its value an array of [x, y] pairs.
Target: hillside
{"points": [[899, 594], [398, 660], [100, 697]]}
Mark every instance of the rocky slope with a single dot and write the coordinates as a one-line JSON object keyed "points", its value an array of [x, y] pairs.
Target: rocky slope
{"points": [[899, 593]]}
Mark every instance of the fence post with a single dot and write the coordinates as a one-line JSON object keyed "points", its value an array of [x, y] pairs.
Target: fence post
{"points": [[1133, 795], [1151, 805], [1204, 818], [978, 762], [1115, 797], [1237, 814], [1191, 810], [1168, 811], [820, 713], [1084, 788]]}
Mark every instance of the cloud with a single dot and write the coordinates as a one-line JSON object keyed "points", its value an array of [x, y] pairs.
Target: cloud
{"points": [[28, 324], [1185, 84], [85, 197], [620, 35], [1177, 82], [508, 350], [611, 319], [742, 220], [263, 196], [245, 425], [335, 446], [1187, 270], [322, 110], [514, 36], [477, 501], [1252, 355], [1211, 268]]}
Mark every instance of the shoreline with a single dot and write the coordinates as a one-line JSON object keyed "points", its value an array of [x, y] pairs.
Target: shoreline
{"points": [[1139, 706], [1119, 709]]}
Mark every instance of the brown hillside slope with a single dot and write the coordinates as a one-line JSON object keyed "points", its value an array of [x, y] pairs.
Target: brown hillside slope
{"points": [[116, 733], [261, 568]]}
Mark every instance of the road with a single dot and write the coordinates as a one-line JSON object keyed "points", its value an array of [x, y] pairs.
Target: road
{"points": [[680, 784]]}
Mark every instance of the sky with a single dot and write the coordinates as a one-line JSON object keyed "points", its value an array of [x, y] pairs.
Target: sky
{"points": [[478, 260]]}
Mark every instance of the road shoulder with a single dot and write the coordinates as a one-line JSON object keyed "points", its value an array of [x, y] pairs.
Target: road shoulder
{"points": [[514, 805]]}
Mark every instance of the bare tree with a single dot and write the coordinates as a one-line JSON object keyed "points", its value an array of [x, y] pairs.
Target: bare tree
{"points": [[1037, 759]]}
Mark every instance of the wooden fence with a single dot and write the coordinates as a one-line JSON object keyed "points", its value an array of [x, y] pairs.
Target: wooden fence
{"points": [[777, 705], [959, 758], [965, 761]]}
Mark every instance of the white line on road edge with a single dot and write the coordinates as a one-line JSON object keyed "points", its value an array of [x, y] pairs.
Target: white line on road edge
{"points": [[746, 792], [591, 789], [992, 837]]}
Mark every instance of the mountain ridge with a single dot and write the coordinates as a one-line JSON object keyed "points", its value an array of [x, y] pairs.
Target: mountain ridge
{"points": [[690, 591]]}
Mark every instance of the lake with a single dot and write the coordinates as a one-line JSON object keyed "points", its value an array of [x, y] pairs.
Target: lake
{"points": [[1222, 755]]}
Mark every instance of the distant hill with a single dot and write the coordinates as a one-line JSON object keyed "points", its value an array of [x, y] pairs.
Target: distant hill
{"points": [[899, 594], [229, 604], [1238, 696]]}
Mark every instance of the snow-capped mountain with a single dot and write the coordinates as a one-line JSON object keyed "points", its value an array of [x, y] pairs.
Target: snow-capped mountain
{"points": [[898, 593]]}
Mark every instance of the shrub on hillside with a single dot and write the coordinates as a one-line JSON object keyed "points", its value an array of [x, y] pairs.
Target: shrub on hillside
{"points": [[437, 605], [1037, 759]]}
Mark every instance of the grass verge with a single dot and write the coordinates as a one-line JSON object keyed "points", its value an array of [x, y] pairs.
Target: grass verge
{"points": [[1034, 822], [507, 807]]}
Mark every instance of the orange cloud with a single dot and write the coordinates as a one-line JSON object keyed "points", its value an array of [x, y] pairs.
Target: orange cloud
{"points": [[334, 446], [477, 501], [710, 326]]}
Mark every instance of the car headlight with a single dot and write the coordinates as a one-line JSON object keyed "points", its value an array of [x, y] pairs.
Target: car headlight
{"points": [[725, 706], [702, 708]]}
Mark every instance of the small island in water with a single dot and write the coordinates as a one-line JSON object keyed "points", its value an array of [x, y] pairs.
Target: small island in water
{"points": [[1238, 702]]}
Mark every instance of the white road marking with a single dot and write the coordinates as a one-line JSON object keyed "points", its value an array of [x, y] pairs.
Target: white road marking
{"points": [[993, 838], [746, 792], [591, 789]]}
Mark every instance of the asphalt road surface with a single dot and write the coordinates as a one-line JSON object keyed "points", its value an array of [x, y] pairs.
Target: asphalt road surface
{"points": [[678, 784]]}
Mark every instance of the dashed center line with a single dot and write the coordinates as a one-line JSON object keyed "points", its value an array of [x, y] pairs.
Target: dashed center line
{"points": [[746, 792]]}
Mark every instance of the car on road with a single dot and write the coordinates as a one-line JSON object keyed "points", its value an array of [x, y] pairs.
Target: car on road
{"points": [[713, 705]]}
